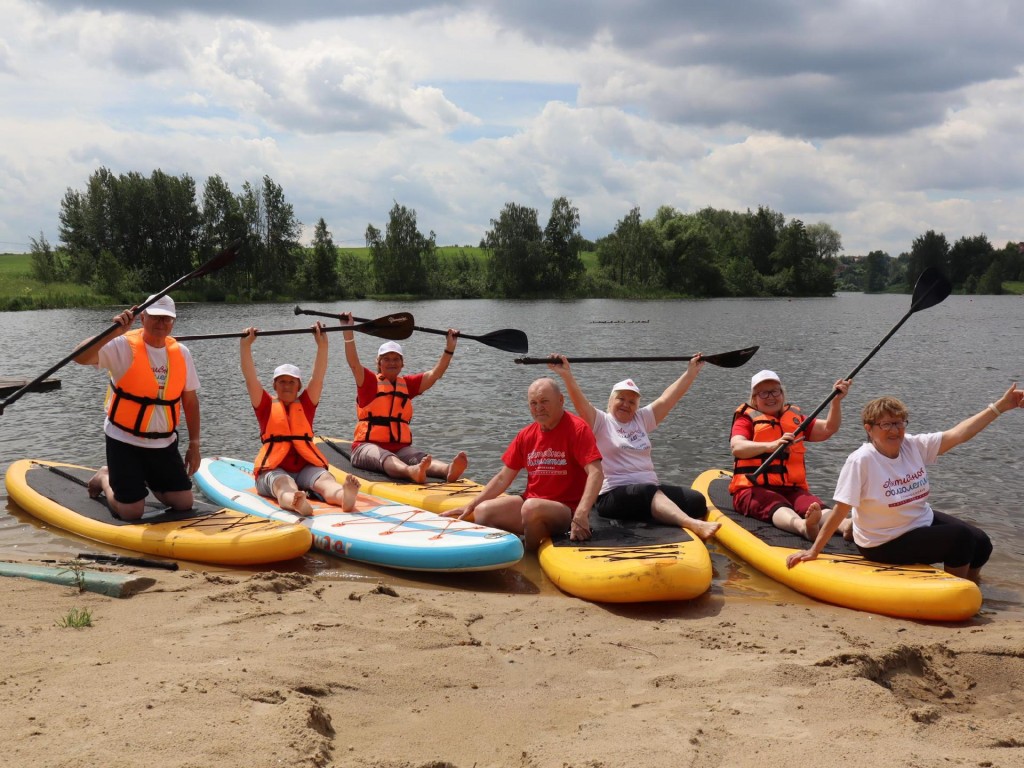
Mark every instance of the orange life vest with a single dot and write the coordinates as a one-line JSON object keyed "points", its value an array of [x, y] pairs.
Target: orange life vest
{"points": [[134, 398], [787, 468], [287, 428], [386, 419]]}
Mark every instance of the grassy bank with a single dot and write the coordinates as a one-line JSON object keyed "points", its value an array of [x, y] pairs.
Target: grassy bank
{"points": [[19, 290]]}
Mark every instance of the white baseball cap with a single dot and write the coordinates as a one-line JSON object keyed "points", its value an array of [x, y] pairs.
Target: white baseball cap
{"points": [[162, 307], [627, 385], [764, 375], [390, 346], [287, 369]]}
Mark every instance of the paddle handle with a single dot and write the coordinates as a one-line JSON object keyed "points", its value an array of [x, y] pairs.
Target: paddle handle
{"points": [[338, 316], [542, 360]]}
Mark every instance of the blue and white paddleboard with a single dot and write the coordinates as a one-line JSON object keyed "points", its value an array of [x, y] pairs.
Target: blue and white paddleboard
{"points": [[377, 531]]}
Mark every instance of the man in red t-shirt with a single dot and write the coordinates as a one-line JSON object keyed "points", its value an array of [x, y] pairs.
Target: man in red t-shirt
{"points": [[563, 474]]}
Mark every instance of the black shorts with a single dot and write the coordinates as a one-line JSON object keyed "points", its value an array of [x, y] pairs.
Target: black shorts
{"points": [[633, 502], [134, 470]]}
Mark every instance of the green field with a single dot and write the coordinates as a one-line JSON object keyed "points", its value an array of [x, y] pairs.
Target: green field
{"points": [[18, 290]]}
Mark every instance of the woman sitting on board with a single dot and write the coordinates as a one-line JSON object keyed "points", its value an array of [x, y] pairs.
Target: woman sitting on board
{"points": [[780, 493], [289, 464], [383, 436], [631, 490], [884, 483]]}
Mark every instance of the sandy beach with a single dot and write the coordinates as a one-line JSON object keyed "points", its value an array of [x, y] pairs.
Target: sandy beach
{"points": [[224, 668]]}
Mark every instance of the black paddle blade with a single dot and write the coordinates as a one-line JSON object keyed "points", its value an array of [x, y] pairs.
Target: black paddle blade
{"points": [[394, 327], [222, 259], [931, 288], [732, 359], [507, 340]]}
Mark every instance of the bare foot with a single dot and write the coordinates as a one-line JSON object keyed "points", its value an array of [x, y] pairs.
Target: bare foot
{"points": [[349, 491], [457, 467], [299, 503], [813, 521], [418, 473], [703, 530], [95, 484]]}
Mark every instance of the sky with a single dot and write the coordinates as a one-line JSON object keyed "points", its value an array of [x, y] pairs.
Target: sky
{"points": [[883, 119]]}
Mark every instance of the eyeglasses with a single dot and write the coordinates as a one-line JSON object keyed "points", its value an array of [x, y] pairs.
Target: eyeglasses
{"points": [[886, 426], [770, 393]]}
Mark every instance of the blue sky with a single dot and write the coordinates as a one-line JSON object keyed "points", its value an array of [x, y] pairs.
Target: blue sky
{"points": [[883, 119]]}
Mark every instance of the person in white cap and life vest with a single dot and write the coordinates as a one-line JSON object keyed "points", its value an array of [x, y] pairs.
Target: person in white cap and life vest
{"points": [[152, 381], [383, 436], [631, 490], [289, 465], [780, 494]]}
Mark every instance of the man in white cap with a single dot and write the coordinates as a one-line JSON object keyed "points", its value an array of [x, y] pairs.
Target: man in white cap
{"points": [[780, 493], [152, 380], [289, 465], [563, 475], [383, 436]]}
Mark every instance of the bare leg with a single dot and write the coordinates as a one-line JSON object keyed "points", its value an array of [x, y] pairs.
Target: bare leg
{"points": [[179, 501], [542, 518], [788, 520], [664, 510], [338, 494], [124, 511], [291, 498], [398, 469], [504, 512]]}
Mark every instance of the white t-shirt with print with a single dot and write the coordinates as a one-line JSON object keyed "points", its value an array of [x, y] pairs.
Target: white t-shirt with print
{"points": [[889, 496], [116, 357], [625, 448]]}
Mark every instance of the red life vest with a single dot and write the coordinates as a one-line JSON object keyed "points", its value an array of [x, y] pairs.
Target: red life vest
{"points": [[386, 419], [787, 468], [134, 398], [287, 428]]}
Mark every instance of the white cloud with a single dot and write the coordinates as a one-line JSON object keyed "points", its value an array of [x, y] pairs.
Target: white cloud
{"points": [[851, 112]]}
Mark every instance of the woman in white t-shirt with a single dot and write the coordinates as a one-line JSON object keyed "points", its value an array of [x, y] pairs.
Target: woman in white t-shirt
{"points": [[885, 484], [631, 490]]}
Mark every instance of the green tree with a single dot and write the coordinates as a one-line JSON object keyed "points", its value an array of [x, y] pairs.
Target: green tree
{"points": [[969, 257], [45, 266], [562, 244], [827, 242], [632, 254], [929, 250], [319, 275], [402, 257], [762, 232], [877, 271], [515, 244], [688, 259]]}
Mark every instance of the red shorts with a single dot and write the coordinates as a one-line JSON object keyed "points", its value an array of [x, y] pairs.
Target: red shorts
{"points": [[760, 502]]}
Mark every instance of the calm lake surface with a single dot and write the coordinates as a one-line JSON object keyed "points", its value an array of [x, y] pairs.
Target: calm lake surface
{"points": [[946, 363]]}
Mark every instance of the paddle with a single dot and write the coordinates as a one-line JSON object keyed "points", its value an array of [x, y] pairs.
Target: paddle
{"points": [[931, 288], [507, 339], [395, 327], [222, 259], [141, 562], [733, 359]]}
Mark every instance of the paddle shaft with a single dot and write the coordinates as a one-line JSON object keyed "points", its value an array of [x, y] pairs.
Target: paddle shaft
{"points": [[369, 327], [223, 258], [733, 359], [922, 300], [508, 339]]}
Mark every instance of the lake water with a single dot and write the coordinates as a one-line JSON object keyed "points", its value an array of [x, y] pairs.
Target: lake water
{"points": [[946, 363]]}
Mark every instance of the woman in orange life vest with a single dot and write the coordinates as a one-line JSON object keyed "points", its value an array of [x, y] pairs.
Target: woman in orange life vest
{"points": [[383, 438], [780, 494], [289, 464]]}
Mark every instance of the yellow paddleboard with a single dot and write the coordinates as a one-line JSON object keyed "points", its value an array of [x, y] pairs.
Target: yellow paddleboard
{"points": [[840, 575], [432, 496], [56, 493], [628, 562]]}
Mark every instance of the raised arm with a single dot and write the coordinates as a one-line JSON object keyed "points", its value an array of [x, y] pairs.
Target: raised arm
{"points": [[584, 408], [668, 399], [431, 377], [315, 386], [91, 356], [252, 379], [823, 430], [351, 353], [969, 427]]}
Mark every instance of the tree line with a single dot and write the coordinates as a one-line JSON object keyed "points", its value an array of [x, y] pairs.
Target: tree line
{"points": [[127, 234]]}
